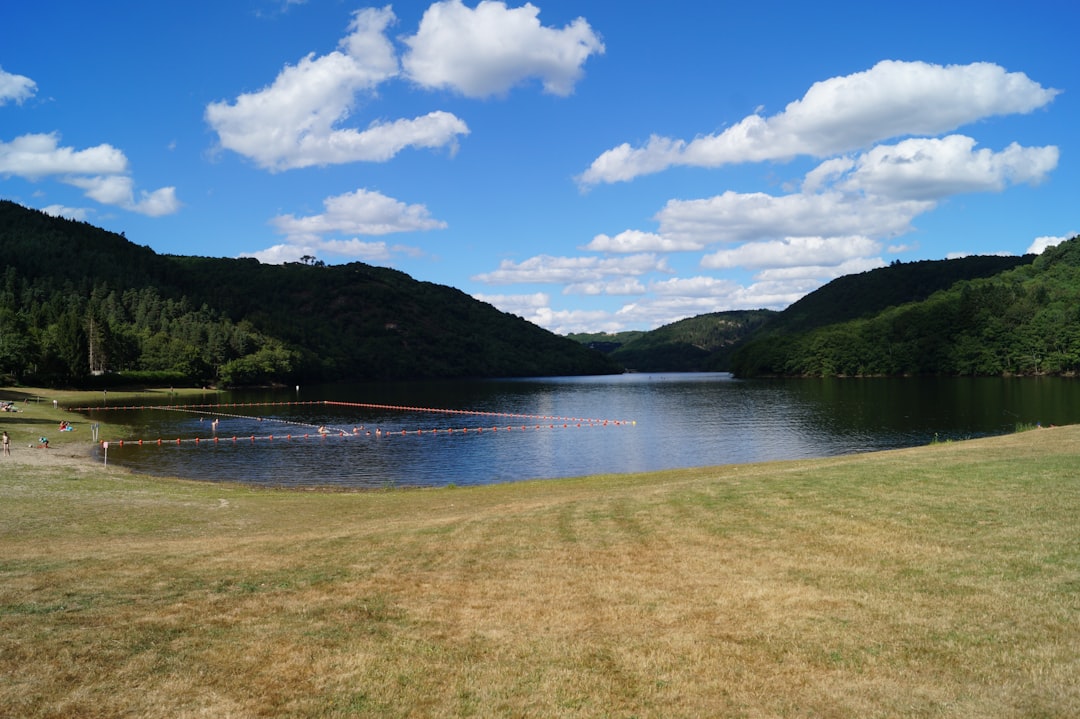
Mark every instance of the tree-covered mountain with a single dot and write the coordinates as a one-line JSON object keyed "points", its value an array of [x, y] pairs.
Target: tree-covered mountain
{"points": [[986, 315], [77, 301], [1022, 320], [867, 293], [694, 344]]}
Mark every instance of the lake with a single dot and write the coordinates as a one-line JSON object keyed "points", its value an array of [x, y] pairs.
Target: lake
{"points": [[489, 431]]}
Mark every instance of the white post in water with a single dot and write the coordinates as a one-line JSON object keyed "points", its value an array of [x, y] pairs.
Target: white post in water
{"points": [[105, 446]]}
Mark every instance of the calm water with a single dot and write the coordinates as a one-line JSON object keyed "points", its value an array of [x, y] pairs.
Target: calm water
{"points": [[563, 427]]}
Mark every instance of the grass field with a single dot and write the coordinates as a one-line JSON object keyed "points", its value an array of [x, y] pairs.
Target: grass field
{"points": [[941, 581]]}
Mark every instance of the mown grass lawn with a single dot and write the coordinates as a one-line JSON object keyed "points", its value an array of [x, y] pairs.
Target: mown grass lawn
{"points": [[941, 581]]}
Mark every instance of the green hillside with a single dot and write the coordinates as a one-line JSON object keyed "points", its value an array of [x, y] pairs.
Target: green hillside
{"points": [[1014, 317], [868, 293], [694, 344], [1024, 320], [79, 303]]}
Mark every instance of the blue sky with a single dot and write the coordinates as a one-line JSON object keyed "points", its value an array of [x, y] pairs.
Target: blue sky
{"points": [[591, 165]]}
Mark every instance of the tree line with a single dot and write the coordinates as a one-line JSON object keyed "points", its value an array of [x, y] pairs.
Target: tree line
{"points": [[1021, 321], [80, 305]]}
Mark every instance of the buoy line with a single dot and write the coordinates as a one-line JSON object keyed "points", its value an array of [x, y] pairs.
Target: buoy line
{"points": [[233, 415], [340, 433], [323, 431], [364, 405], [473, 412]]}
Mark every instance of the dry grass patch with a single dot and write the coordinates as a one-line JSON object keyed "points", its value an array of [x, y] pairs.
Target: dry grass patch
{"points": [[940, 581]]}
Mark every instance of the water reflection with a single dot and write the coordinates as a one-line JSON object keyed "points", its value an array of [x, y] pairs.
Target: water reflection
{"points": [[664, 421]]}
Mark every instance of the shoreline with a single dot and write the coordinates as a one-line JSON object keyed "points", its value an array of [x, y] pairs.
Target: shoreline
{"points": [[38, 412]]}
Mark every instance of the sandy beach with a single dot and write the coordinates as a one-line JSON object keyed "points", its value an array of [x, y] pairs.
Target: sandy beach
{"points": [[78, 454]]}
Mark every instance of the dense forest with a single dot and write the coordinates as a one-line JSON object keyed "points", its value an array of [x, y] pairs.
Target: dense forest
{"points": [[1019, 321], [83, 306], [756, 342], [695, 344]]}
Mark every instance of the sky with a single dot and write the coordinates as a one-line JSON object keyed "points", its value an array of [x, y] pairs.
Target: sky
{"points": [[591, 166]]}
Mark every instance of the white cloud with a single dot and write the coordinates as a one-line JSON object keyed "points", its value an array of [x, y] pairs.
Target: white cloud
{"points": [[119, 190], [571, 270], [794, 252], [836, 225], [354, 249], [744, 217], [363, 212], [36, 156], [536, 308], [516, 304], [877, 194], [817, 275], [694, 287], [280, 254], [621, 286], [100, 171], [358, 249], [15, 88], [929, 169], [630, 241], [842, 114], [295, 121], [490, 49], [70, 213], [1041, 243]]}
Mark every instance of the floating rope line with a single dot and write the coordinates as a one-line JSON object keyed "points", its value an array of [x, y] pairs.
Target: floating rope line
{"points": [[364, 405], [192, 410], [323, 431], [477, 413], [233, 439]]}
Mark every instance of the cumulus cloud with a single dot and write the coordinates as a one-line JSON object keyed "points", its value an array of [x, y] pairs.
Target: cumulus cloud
{"points": [[637, 241], [546, 269], [361, 212], [757, 216], [931, 168], [1041, 243], [70, 213], [841, 114], [119, 190], [793, 252], [15, 88], [843, 215], [296, 121], [536, 308], [302, 118], [100, 171], [491, 48], [620, 286], [36, 156], [354, 249], [876, 194]]}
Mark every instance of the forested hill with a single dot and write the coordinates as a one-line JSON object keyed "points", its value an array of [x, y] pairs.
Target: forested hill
{"points": [[867, 293], [694, 344], [969, 320], [711, 341], [78, 302]]}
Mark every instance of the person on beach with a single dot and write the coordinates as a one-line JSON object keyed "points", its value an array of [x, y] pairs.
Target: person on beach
{"points": [[7, 445]]}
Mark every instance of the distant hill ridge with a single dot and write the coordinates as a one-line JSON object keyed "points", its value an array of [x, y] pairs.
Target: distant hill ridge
{"points": [[79, 302], [979, 315]]}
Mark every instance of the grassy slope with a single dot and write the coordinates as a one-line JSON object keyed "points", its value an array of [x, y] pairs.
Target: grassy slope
{"points": [[937, 581]]}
